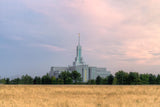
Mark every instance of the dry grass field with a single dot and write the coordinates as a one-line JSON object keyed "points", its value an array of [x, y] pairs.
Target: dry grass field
{"points": [[79, 96]]}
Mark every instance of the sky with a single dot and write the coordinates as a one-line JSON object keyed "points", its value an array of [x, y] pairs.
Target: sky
{"points": [[116, 34]]}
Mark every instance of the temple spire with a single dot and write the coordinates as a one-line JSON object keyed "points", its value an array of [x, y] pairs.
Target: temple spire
{"points": [[78, 38], [78, 58]]}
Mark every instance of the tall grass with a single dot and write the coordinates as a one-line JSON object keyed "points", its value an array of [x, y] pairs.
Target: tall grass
{"points": [[79, 96]]}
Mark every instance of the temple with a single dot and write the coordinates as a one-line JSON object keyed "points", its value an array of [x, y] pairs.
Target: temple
{"points": [[78, 59], [87, 72]]}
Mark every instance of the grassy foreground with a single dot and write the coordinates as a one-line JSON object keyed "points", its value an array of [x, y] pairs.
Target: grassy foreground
{"points": [[79, 96]]}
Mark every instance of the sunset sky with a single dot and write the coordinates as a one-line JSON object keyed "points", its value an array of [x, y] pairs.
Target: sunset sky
{"points": [[116, 34]]}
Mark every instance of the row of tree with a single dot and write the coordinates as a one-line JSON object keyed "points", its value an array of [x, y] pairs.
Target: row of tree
{"points": [[134, 78], [125, 78], [120, 78], [64, 78]]}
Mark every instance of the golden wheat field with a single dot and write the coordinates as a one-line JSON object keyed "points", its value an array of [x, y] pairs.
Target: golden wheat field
{"points": [[79, 96]]}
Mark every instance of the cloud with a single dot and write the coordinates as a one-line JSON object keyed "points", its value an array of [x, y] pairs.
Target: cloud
{"points": [[125, 29], [49, 47], [114, 33], [154, 53]]}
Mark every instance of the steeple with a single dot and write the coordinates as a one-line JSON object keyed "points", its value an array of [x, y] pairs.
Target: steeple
{"points": [[78, 38], [78, 59]]}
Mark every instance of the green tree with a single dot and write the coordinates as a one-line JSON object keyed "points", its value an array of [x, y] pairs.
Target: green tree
{"points": [[114, 81], [152, 79], [16, 81], [144, 78], [2, 81], [69, 80], [92, 81], [66, 77], [105, 80], [158, 79], [76, 76], [53, 80], [98, 80], [7, 81], [122, 77], [37, 80], [46, 79], [134, 78], [60, 81], [26, 79], [110, 79]]}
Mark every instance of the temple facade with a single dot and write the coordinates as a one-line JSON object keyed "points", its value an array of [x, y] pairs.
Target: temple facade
{"points": [[87, 72]]}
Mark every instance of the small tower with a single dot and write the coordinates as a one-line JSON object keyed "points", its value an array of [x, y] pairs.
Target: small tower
{"points": [[78, 58]]}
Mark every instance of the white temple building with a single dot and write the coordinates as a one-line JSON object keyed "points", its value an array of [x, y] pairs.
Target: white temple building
{"points": [[87, 72]]}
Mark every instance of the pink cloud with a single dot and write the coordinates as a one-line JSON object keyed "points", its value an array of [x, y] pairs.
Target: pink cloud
{"points": [[114, 31]]}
